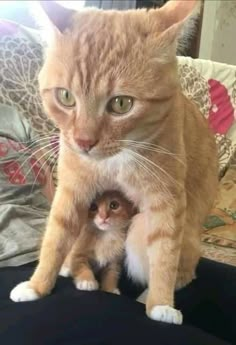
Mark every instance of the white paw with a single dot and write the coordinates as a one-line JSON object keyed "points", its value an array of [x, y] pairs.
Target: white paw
{"points": [[143, 297], [116, 292], [64, 272], [165, 313], [88, 285], [23, 293]]}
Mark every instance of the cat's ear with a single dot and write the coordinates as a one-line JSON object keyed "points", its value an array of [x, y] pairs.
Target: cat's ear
{"points": [[174, 15], [52, 18], [175, 12], [60, 17]]}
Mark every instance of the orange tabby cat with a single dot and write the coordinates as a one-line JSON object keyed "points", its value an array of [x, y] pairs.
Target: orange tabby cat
{"points": [[100, 245], [110, 84]]}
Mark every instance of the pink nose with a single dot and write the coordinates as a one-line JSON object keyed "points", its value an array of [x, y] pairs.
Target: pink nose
{"points": [[86, 145]]}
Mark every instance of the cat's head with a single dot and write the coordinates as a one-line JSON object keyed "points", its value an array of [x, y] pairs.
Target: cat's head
{"points": [[110, 76], [111, 211]]}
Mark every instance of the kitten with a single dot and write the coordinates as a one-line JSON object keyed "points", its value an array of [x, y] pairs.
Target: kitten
{"points": [[99, 248], [110, 83]]}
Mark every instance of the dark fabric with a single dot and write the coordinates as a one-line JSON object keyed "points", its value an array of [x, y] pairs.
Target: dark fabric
{"points": [[73, 317]]}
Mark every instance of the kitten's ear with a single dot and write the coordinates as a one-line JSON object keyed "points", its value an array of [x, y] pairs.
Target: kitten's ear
{"points": [[174, 15]]}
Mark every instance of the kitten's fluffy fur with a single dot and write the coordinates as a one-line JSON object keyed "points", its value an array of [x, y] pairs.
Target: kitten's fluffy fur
{"points": [[161, 153], [99, 249]]}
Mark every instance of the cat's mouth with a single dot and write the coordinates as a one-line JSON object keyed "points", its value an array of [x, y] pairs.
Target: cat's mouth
{"points": [[98, 152], [104, 226]]}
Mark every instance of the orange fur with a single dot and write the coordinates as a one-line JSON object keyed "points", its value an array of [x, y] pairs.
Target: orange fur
{"points": [[100, 246], [161, 154]]}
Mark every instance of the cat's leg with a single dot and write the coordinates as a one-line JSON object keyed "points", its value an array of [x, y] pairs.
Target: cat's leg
{"points": [[110, 277], [165, 222], [65, 270], [82, 273], [189, 256], [63, 226]]}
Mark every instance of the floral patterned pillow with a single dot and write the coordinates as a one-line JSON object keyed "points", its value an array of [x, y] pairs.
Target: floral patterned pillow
{"points": [[20, 60], [212, 86]]}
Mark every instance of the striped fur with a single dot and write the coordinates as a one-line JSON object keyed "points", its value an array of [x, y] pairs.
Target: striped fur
{"points": [[161, 154]]}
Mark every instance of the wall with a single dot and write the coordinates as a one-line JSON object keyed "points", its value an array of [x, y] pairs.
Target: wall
{"points": [[218, 37]]}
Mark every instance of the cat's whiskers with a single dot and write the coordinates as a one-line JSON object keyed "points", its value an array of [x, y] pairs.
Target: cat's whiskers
{"points": [[38, 160], [148, 161], [39, 136], [150, 172], [52, 172], [26, 150], [154, 148], [30, 157], [38, 142], [51, 153], [174, 181]]}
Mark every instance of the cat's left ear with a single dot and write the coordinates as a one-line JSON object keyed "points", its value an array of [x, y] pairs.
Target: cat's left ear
{"points": [[174, 14], [59, 16], [52, 18]]}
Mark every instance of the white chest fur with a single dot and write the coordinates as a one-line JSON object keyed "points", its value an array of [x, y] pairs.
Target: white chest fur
{"points": [[117, 171]]}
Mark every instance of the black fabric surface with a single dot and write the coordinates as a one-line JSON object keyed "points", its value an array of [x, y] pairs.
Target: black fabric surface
{"points": [[72, 317]]}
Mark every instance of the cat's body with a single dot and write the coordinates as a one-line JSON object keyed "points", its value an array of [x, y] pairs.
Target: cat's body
{"points": [[125, 122], [98, 252]]}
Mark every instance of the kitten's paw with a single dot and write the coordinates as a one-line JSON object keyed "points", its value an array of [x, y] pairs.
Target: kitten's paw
{"points": [[116, 292], [64, 272], [165, 313], [143, 297], [87, 285], [23, 293]]}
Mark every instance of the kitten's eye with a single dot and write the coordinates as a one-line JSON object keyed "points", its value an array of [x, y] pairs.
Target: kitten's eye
{"points": [[65, 98], [120, 105], [114, 205], [93, 207]]}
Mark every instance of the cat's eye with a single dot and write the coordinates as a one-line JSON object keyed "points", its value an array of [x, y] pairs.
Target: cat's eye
{"points": [[65, 97], [120, 105], [114, 205], [93, 207]]}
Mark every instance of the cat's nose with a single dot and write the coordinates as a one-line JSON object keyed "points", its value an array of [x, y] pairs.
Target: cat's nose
{"points": [[103, 219], [86, 145]]}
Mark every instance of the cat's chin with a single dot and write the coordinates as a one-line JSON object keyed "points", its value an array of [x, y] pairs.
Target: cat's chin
{"points": [[104, 227]]}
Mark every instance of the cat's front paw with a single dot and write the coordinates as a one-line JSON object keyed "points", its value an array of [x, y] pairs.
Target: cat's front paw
{"points": [[64, 272], [116, 291], [23, 293], [86, 285], [165, 313]]}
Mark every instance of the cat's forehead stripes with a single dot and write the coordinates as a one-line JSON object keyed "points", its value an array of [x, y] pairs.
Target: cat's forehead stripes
{"points": [[105, 45], [98, 50]]}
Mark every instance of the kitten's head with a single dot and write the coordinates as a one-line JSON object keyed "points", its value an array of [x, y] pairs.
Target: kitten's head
{"points": [[111, 211], [110, 76]]}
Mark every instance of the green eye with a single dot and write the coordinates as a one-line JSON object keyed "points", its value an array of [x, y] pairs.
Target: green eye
{"points": [[65, 97], [114, 205], [120, 105]]}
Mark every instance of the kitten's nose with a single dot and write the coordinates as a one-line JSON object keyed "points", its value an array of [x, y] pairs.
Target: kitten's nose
{"points": [[103, 219], [86, 145]]}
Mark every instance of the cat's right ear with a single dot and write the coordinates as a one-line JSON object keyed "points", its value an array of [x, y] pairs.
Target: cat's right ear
{"points": [[52, 18]]}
